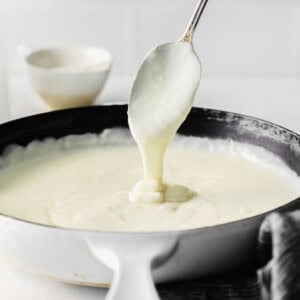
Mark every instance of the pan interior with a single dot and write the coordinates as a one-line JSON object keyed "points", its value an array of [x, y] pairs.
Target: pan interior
{"points": [[66, 179]]}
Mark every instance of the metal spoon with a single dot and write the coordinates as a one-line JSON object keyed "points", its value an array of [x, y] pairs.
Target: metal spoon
{"points": [[162, 96]]}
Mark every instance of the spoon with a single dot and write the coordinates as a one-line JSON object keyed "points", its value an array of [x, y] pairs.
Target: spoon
{"points": [[161, 97]]}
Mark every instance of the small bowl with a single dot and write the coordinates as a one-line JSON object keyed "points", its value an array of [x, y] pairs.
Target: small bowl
{"points": [[70, 76]]}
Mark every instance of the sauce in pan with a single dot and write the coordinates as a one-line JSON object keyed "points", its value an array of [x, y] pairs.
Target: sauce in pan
{"points": [[84, 182]]}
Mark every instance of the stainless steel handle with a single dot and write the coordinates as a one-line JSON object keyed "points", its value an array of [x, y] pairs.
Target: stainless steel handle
{"points": [[190, 30]]}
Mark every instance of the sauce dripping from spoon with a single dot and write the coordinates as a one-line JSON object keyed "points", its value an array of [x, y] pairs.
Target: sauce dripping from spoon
{"points": [[161, 98]]}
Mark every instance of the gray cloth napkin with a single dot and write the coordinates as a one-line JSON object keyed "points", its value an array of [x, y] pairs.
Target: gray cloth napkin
{"points": [[279, 251], [278, 277]]}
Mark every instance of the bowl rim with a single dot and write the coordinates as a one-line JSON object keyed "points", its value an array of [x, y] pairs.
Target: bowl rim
{"points": [[106, 54]]}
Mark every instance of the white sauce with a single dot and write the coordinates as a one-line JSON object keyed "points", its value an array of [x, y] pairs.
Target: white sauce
{"points": [[161, 98], [84, 181]]}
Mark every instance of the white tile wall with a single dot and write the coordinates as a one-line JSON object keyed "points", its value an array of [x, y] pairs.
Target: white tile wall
{"points": [[250, 49], [248, 37]]}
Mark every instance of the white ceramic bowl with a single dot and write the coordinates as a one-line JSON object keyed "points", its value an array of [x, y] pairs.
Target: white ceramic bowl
{"points": [[70, 76]]}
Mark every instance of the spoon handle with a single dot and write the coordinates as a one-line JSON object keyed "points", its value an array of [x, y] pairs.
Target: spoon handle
{"points": [[190, 30]]}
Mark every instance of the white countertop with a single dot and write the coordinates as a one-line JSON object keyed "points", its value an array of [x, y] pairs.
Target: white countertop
{"points": [[18, 285], [274, 99]]}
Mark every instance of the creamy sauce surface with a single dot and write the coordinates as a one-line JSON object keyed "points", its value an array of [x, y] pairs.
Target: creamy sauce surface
{"points": [[84, 182]]}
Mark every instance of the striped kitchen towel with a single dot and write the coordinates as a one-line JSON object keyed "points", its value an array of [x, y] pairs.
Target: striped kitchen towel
{"points": [[279, 251], [277, 279]]}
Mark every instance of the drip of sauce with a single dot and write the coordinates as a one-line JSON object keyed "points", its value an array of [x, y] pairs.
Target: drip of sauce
{"points": [[161, 97]]}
